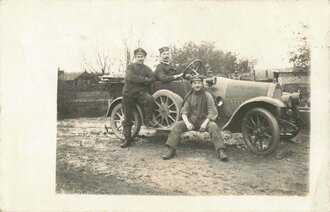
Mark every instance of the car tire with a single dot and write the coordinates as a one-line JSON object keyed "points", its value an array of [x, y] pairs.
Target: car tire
{"points": [[116, 119], [289, 137], [289, 134], [167, 108], [261, 132]]}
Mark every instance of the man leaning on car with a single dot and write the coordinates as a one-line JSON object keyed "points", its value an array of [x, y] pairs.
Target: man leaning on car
{"points": [[165, 72], [136, 89]]}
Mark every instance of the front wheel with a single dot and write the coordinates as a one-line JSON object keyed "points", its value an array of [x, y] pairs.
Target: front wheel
{"points": [[261, 131], [117, 118], [289, 128]]}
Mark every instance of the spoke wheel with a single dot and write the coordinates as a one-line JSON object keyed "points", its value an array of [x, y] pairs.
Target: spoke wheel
{"points": [[260, 131], [167, 108], [289, 128], [117, 118]]}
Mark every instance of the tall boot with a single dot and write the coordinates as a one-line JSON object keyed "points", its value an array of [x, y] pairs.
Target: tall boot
{"points": [[127, 135], [222, 155], [148, 120], [150, 123], [127, 143], [170, 154], [148, 108]]}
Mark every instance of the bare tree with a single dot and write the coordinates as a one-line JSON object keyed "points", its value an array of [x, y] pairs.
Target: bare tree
{"points": [[100, 62], [127, 51], [130, 43]]}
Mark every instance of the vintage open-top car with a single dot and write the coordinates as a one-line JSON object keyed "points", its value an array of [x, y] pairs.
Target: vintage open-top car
{"points": [[259, 110]]}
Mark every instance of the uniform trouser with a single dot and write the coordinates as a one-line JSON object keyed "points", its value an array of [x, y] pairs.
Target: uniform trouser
{"points": [[180, 127], [129, 105]]}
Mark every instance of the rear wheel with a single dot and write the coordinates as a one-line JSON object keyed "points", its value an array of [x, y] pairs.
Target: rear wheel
{"points": [[167, 108], [261, 131], [117, 118]]}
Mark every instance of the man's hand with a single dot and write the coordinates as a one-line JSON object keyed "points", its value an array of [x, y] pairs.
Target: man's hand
{"points": [[189, 126], [204, 125], [178, 76]]}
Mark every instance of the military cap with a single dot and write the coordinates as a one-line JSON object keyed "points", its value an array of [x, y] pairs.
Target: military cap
{"points": [[140, 51], [164, 49], [196, 77]]}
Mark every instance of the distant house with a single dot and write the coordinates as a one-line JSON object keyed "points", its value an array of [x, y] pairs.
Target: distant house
{"points": [[76, 80], [284, 76], [289, 77], [268, 74]]}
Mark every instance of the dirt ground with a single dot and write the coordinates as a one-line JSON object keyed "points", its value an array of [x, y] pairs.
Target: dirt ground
{"points": [[92, 162]]}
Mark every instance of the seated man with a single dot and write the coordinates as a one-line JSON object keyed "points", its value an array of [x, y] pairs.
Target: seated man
{"points": [[198, 113], [164, 71], [136, 89]]}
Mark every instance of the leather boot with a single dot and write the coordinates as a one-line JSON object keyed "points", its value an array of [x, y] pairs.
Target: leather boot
{"points": [[127, 143], [170, 154], [222, 155], [150, 123]]}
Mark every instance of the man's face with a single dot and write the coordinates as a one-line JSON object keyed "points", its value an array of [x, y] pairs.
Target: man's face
{"points": [[197, 85], [140, 58], [165, 56]]}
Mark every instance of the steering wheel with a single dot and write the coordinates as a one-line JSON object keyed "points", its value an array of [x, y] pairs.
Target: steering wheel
{"points": [[193, 68]]}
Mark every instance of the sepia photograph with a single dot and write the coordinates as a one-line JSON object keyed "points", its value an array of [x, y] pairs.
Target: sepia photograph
{"points": [[165, 100], [184, 104]]}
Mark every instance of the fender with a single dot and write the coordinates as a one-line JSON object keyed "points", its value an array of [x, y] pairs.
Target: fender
{"points": [[234, 123], [120, 100], [112, 105]]}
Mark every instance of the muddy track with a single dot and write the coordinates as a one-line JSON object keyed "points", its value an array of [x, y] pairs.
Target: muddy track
{"points": [[91, 162]]}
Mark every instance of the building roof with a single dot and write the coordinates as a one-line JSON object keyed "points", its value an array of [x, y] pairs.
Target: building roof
{"points": [[70, 76], [262, 74]]}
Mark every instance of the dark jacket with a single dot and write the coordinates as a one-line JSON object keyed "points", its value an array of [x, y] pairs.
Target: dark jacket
{"points": [[164, 72], [198, 106], [138, 78]]}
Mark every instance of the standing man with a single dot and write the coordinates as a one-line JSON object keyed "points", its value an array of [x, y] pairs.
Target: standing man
{"points": [[136, 90], [198, 113], [164, 71]]}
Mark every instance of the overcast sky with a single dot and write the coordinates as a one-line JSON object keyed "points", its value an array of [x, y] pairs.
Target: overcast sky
{"points": [[60, 32]]}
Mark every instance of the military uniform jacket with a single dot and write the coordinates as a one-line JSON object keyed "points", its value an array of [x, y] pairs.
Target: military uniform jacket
{"points": [[164, 72], [138, 78], [192, 105]]}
